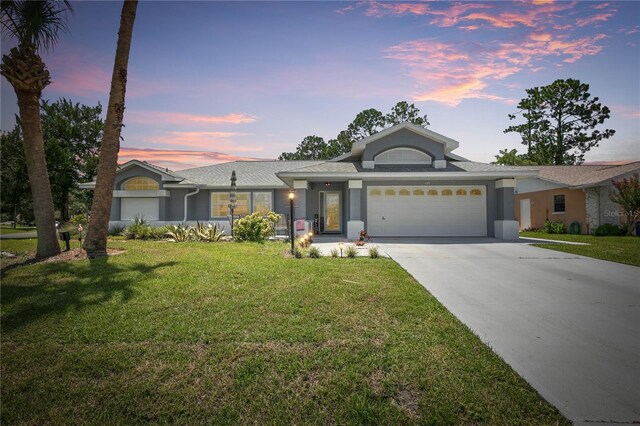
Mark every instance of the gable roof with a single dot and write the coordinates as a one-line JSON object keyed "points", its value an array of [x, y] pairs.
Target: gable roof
{"points": [[358, 147], [584, 175], [165, 173]]}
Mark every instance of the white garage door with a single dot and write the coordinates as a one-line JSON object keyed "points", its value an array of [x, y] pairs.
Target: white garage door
{"points": [[144, 207], [422, 211]]}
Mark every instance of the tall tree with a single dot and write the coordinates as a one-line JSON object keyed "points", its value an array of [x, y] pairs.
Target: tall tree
{"points": [[95, 243], [311, 148], [404, 111], [512, 158], [15, 198], [560, 122], [367, 123], [35, 25], [72, 136]]}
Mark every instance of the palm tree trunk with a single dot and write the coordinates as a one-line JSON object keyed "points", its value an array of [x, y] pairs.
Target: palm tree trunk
{"points": [[29, 106], [95, 243]]}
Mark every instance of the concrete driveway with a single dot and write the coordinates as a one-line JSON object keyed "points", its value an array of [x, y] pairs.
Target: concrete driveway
{"points": [[570, 325]]}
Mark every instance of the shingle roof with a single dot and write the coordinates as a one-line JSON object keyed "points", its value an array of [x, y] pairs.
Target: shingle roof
{"points": [[249, 173], [583, 175]]}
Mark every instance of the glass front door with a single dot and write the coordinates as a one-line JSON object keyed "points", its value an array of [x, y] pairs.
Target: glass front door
{"points": [[330, 211]]}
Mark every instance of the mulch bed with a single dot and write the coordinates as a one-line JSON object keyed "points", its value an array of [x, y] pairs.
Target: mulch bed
{"points": [[66, 256]]}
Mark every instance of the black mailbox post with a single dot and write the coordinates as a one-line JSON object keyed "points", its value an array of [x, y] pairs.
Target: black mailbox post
{"points": [[66, 237]]}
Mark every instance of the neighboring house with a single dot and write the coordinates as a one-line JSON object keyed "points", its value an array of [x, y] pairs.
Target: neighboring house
{"points": [[571, 194], [402, 181]]}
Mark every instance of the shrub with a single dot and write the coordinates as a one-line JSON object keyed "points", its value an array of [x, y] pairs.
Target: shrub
{"points": [[351, 251], [334, 252], [78, 219], [207, 232], [608, 230], [115, 230], [556, 227], [626, 194], [255, 227], [314, 252], [179, 233], [374, 253]]}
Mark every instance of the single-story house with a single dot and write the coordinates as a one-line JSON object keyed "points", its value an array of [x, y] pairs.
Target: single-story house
{"points": [[571, 194], [402, 181]]}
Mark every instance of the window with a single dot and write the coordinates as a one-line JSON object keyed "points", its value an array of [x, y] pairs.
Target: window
{"points": [[475, 192], [402, 156], [389, 192], [558, 204], [461, 192], [141, 184], [262, 202], [375, 193], [432, 192], [404, 192], [220, 203], [418, 192], [446, 192]]}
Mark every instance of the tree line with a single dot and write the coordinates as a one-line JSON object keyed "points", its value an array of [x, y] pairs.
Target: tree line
{"points": [[366, 123], [71, 135]]}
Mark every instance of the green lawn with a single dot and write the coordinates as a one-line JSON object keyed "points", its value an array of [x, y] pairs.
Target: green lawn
{"points": [[18, 230], [616, 249], [233, 333]]}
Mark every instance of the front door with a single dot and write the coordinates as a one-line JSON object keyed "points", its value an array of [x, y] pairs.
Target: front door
{"points": [[330, 211]]}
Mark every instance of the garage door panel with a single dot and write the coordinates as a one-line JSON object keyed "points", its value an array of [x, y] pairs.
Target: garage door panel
{"points": [[148, 208], [463, 213]]}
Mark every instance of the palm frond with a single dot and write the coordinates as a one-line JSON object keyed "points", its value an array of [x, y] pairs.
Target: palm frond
{"points": [[35, 22]]}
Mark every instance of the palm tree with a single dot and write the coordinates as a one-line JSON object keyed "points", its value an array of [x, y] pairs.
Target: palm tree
{"points": [[35, 25], [95, 242]]}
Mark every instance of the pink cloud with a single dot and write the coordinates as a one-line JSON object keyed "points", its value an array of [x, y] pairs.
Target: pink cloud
{"points": [[527, 14], [155, 117], [218, 141], [73, 74], [625, 111], [601, 17], [601, 6], [176, 159], [451, 72], [85, 80]]}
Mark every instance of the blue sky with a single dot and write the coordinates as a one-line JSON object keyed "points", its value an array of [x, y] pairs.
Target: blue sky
{"points": [[217, 81]]}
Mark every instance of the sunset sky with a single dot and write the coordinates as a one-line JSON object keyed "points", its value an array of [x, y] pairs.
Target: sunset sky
{"points": [[218, 81]]}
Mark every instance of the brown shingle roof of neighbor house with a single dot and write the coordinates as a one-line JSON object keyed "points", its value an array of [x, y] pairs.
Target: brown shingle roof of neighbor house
{"points": [[584, 175]]}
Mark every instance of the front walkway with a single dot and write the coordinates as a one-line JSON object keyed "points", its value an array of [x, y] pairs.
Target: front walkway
{"points": [[568, 324]]}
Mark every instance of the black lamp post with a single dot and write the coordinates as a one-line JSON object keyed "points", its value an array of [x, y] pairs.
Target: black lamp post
{"points": [[232, 197], [292, 195]]}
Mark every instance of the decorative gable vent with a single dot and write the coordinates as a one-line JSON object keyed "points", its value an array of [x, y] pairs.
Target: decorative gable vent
{"points": [[402, 156]]}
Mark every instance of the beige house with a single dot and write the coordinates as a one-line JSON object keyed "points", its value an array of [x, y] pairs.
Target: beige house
{"points": [[570, 194]]}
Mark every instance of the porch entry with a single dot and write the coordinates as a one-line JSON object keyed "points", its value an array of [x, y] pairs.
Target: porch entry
{"points": [[330, 211]]}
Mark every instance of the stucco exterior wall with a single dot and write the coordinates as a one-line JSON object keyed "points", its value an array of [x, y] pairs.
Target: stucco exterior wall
{"points": [[542, 207]]}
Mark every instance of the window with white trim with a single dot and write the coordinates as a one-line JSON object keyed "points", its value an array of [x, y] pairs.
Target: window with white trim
{"points": [[262, 202]]}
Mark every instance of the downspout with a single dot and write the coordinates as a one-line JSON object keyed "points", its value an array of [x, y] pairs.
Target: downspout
{"points": [[185, 201]]}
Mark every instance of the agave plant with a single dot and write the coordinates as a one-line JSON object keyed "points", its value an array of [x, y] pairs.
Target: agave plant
{"points": [[179, 233], [207, 232]]}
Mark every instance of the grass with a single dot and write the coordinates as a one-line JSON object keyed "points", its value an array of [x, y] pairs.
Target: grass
{"points": [[616, 249], [19, 230], [231, 333]]}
